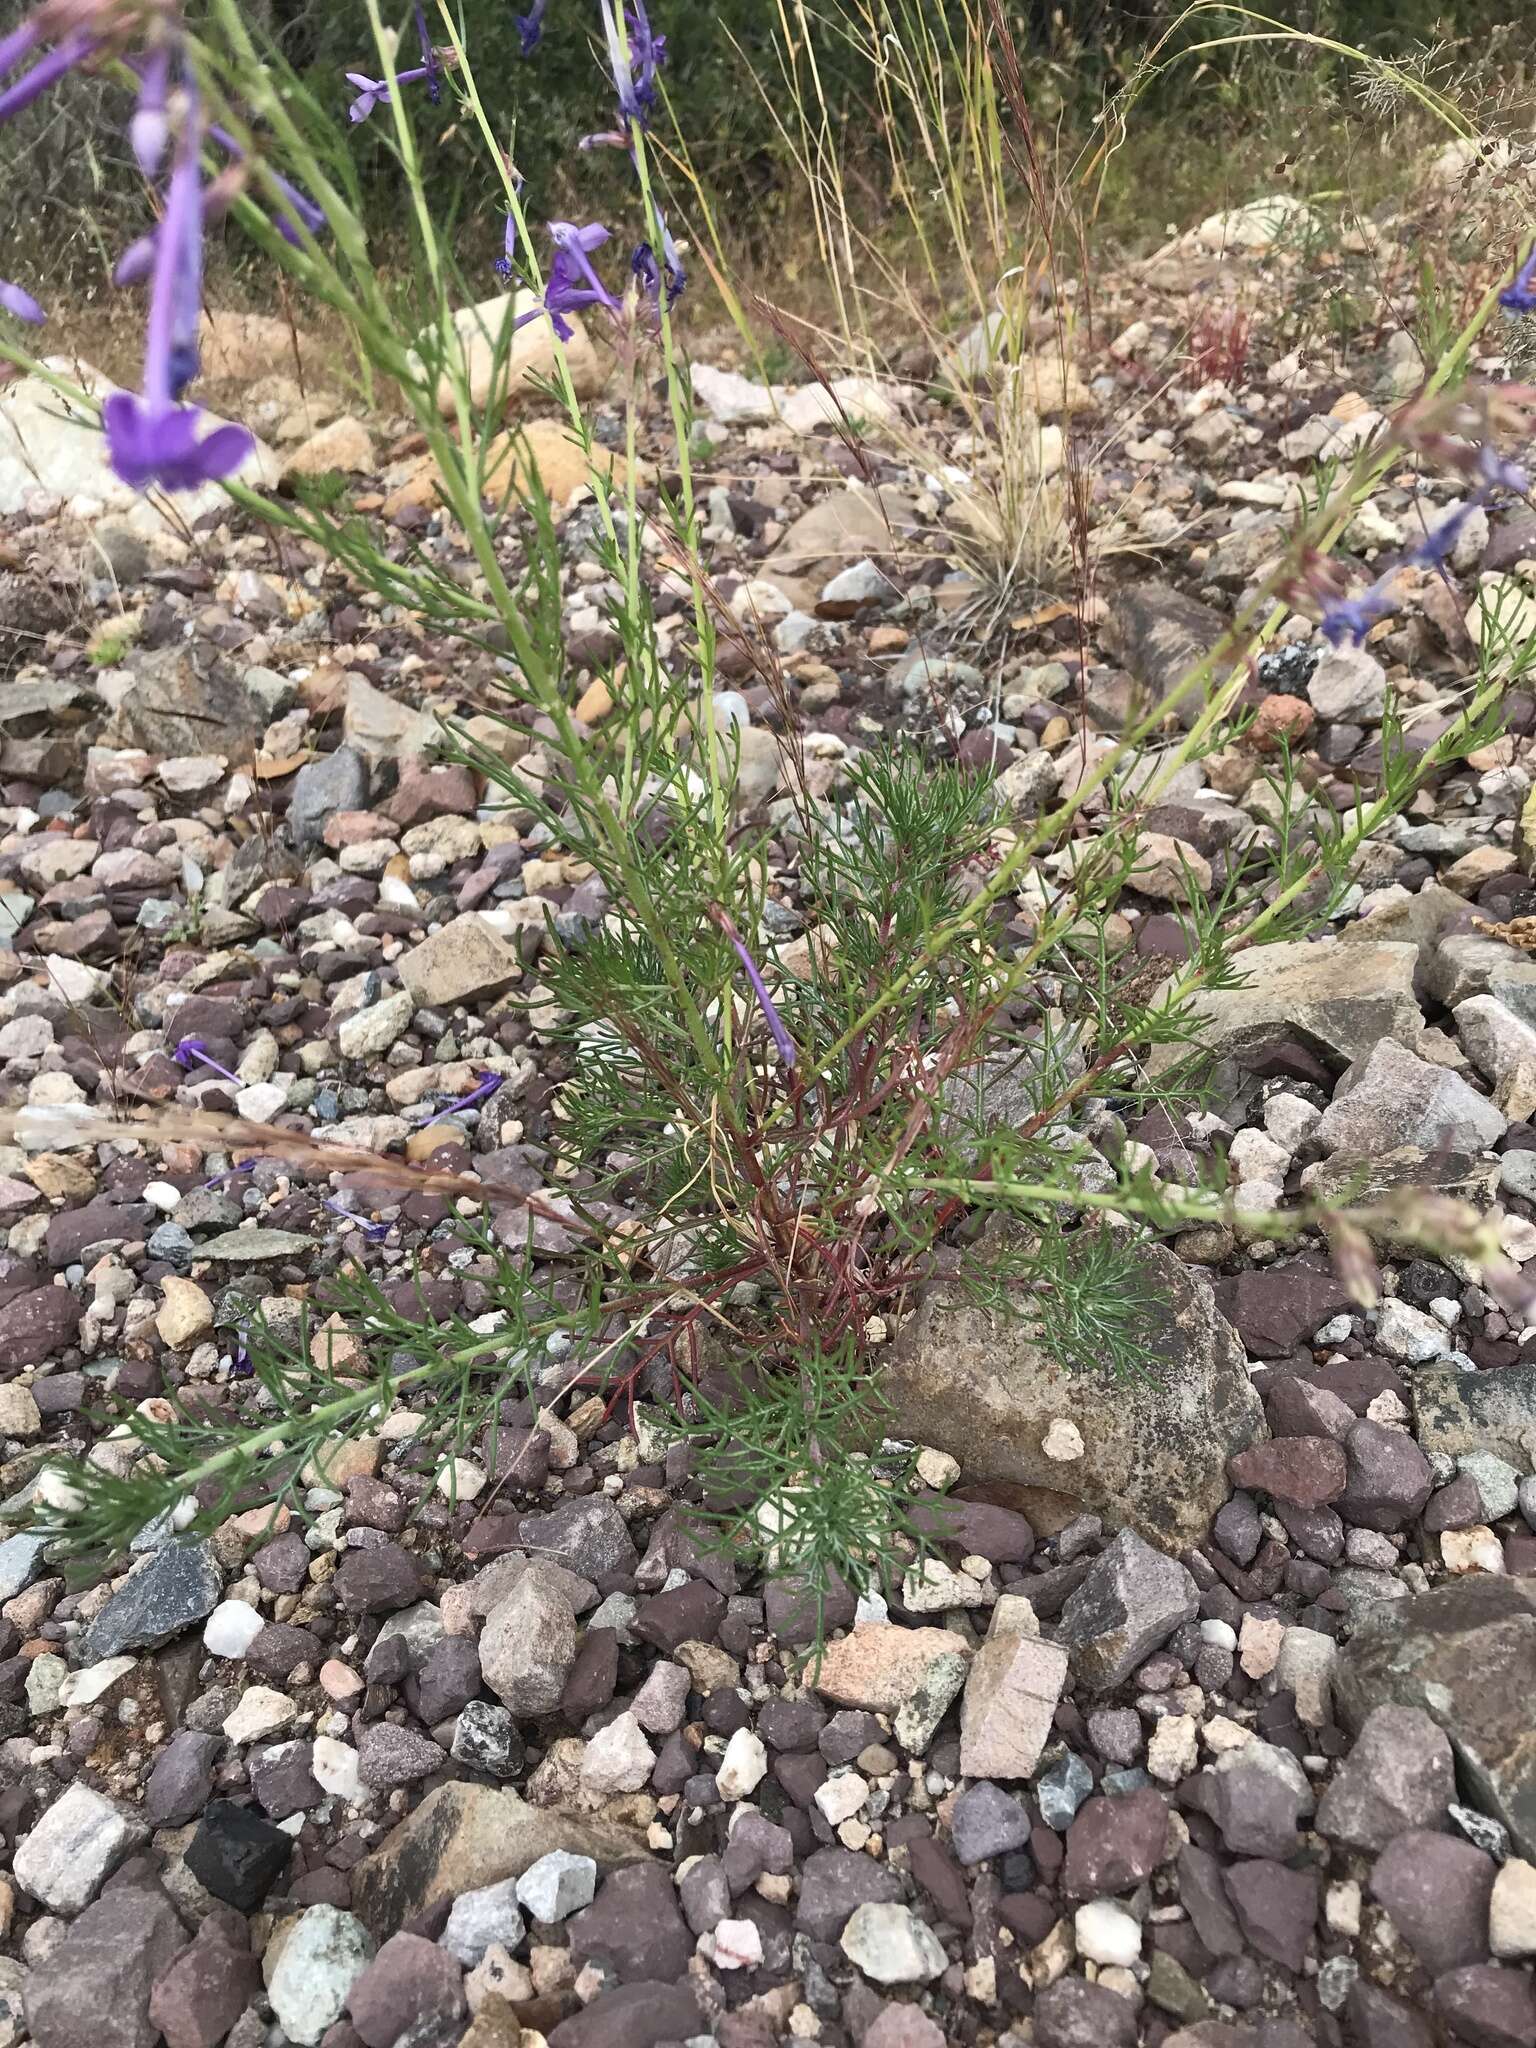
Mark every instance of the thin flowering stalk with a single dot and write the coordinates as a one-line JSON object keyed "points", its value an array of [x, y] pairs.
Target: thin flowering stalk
{"points": [[635, 55], [151, 436], [20, 304], [765, 1003], [530, 27], [193, 1051], [668, 275], [486, 1086]]}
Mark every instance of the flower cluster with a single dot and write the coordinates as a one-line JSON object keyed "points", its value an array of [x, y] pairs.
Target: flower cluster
{"points": [[153, 437], [1348, 619]]}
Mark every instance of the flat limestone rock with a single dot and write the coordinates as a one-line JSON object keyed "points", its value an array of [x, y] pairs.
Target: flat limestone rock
{"points": [[463, 1837], [1155, 1445], [1457, 1412], [1466, 1654]]}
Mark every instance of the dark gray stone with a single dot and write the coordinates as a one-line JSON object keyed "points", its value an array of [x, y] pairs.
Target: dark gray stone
{"points": [[178, 1587], [1466, 1655], [330, 783], [1130, 1603]]}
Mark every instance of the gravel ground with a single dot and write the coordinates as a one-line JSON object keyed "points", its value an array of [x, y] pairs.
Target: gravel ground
{"points": [[1234, 1759]]}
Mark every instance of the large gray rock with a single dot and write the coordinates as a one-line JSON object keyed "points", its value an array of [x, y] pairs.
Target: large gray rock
{"points": [[1457, 1412], [463, 1837], [1132, 1600], [1392, 1098], [1344, 999], [1364, 1182], [1156, 1444], [1399, 1775], [94, 1989], [1466, 964], [1466, 1655], [186, 699]]}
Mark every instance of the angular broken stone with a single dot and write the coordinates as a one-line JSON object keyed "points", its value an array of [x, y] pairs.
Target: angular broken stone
{"points": [[1011, 1695], [1346, 999], [1130, 1603], [1157, 1443], [1465, 1655], [1391, 1098], [74, 1848], [179, 1586], [879, 1665], [1399, 1775], [1456, 1412]]}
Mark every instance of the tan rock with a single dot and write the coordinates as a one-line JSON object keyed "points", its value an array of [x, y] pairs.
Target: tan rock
{"points": [[879, 1664], [381, 728], [19, 1414], [462, 1837], [345, 446], [1011, 1696], [59, 1176], [247, 346], [550, 450], [466, 958], [530, 355], [342, 1458], [185, 1315]]}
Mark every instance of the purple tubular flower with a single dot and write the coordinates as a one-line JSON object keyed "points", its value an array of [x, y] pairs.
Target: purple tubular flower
{"points": [[572, 282], [775, 1022], [20, 304], [241, 1365], [372, 1231], [1346, 619], [151, 437], [190, 1050], [47, 71], [374, 92], [1520, 296], [21, 42], [485, 1086], [530, 26], [634, 57]]}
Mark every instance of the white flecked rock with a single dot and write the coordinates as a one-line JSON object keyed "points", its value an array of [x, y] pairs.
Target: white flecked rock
{"points": [[310, 1973], [1408, 1334], [482, 1918], [334, 1765], [1107, 1934], [374, 1030], [743, 1767], [840, 1796], [892, 1946], [66, 1859]]}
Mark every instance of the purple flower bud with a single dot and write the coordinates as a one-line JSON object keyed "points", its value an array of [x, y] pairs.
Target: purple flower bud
{"points": [[765, 1003], [47, 71], [530, 26], [670, 272], [190, 1051], [1520, 296], [485, 1086], [372, 1231], [635, 55], [428, 56], [150, 129], [20, 304]]}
